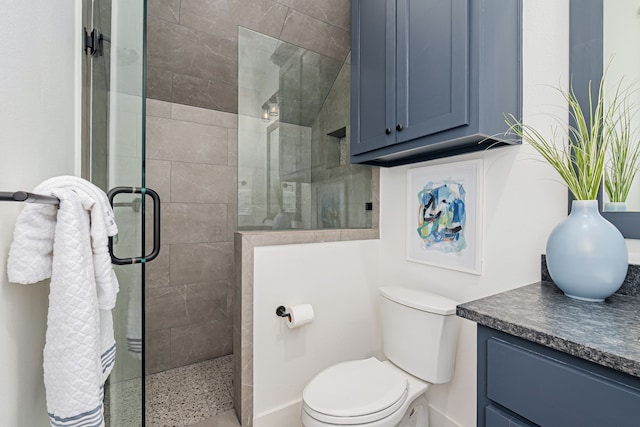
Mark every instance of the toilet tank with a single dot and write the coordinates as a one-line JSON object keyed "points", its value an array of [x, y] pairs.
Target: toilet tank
{"points": [[419, 332]]}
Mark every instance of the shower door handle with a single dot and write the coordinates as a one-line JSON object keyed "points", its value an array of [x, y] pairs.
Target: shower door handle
{"points": [[156, 225]]}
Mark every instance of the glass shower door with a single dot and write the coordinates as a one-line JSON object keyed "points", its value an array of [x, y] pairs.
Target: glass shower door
{"points": [[117, 159]]}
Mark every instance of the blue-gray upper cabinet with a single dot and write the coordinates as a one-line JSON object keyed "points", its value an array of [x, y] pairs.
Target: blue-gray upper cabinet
{"points": [[432, 78]]}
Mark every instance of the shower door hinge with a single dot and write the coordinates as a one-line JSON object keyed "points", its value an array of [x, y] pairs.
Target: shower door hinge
{"points": [[92, 42]]}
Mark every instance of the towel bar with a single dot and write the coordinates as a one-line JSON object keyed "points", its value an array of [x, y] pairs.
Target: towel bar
{"points": [[23, 196]]}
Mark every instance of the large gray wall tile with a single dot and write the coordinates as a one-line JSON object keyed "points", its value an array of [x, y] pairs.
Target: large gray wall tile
{"points": [[232, 220], [205, 116], [185, 51], [200, 183], [157, 356], [159, 83], [200, 341], [158, 178], [157, 272], [205, 93], [157, 108], [207, 301], [334, 12], [232, 135], [200, 262], [185, 141], [194, 223], [222, 17], [165, 308], [310, 33], [168, 10]]}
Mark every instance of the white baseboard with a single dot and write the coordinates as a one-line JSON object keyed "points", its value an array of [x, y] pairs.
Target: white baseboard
{"points": [[438, 419], [289, 415], [284, 415]]}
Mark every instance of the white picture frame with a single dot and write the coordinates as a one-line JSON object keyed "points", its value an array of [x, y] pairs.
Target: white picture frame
{"points": [[444, 215]]}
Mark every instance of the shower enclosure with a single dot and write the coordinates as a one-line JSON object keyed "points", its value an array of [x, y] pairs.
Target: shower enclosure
{"points": [[293, 140], [115, 157], [293, 168]]}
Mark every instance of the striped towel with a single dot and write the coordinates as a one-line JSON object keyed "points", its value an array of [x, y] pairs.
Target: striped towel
{"points": [[69, 245]]}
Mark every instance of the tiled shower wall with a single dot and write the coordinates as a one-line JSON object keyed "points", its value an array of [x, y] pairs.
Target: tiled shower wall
{"points": [[191, 163], [193, 44], [192, 60]]}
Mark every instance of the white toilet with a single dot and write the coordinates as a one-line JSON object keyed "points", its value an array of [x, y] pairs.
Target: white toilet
{"points": [[419, 337]]}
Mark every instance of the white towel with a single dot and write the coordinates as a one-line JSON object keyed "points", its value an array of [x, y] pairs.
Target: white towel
{"points": [[134, 319], [37, 223], [69, 245]]}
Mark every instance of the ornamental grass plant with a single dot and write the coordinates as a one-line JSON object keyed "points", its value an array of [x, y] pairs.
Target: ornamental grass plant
{"points": [[624, 155], [582, 156]]}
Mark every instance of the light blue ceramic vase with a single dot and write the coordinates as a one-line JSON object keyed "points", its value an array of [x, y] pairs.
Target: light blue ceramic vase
{"points": [[586, 255]]}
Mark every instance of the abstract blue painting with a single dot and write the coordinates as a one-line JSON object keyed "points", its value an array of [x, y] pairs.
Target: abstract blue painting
{"points": [[444, 213], [441, 217]]}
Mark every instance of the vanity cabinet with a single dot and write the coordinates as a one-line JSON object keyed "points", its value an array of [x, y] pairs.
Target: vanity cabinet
{"points": [[432, 78], [521, 383]]}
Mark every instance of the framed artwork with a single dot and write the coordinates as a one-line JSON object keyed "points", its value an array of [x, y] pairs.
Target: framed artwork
{"points": [[444, 215]]}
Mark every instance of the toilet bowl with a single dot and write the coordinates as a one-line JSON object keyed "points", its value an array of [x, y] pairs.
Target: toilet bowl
{"points": [[367, 393], [419, 338]]}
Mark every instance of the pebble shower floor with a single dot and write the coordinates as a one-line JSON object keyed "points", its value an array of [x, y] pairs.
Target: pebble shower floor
{"points": [[182, 396]]}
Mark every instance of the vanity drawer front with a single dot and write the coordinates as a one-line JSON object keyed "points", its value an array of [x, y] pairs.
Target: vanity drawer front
{"points": [[494, 417], [551, 393]]}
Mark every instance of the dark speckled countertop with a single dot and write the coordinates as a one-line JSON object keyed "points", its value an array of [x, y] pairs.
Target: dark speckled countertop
{"points": [[605, 333]]}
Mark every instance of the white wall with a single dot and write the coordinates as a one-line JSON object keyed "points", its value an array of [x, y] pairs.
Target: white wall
{"points": [[523, 201], [39, 129], [339, 280]]}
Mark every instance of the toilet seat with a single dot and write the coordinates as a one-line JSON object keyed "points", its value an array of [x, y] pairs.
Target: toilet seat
{"points": [[355, 392]]}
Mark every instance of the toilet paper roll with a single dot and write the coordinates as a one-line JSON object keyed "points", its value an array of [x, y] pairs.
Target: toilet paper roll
{"points": [[299, 315]]}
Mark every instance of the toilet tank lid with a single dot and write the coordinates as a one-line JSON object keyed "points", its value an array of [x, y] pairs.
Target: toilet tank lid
{"points": [[419, 299]]}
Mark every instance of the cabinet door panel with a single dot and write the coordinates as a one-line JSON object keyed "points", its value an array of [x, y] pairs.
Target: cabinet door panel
{"points": [[554, 394], [433, 69], [373, 77]]}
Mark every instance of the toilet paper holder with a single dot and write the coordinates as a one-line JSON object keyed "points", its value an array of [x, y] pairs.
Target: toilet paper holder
{"points": [[282, 312]]}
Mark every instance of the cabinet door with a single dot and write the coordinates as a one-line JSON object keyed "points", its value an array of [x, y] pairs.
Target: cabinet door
{"points": [[373, 74], [432, 66]]}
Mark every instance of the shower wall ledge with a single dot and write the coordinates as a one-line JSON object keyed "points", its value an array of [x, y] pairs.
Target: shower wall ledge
{"points": [[245, 243]]}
